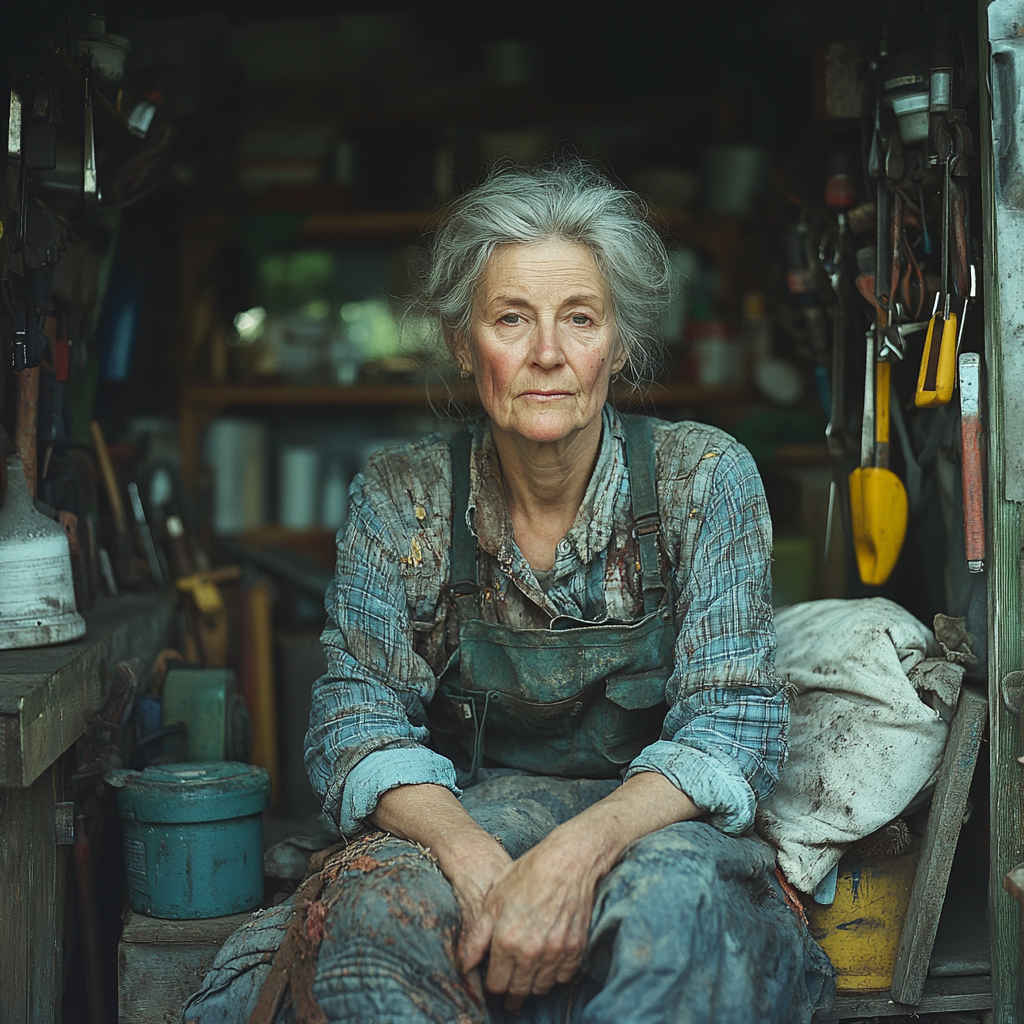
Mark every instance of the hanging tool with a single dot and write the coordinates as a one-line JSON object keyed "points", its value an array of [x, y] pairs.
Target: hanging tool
{"points": [[206, 614], [970, 461], [940, 79], [878, 500], [936, 378], [26, 424], [15, 179], [124, 570], [90, 182], [147, 538], [839, 196], [800, 280]]}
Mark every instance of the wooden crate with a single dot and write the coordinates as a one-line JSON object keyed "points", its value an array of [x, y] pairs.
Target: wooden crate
{"points": [[160, 963]]}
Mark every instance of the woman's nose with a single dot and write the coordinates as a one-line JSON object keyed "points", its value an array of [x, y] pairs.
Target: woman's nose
{"points": [[547, 346]]}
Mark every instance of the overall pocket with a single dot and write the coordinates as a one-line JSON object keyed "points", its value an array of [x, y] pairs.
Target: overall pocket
{"points": [[634, 714]]}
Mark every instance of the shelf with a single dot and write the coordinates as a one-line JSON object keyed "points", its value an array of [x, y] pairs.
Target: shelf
{"points": [[406, 395], [200, 403], [48, 694], [715, 234]]}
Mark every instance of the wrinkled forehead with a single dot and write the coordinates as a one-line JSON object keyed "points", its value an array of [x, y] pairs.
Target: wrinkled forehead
{"points": [[554, 269]]}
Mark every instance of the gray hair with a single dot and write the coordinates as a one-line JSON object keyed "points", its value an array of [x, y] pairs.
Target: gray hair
{"points": [[572, 201]]}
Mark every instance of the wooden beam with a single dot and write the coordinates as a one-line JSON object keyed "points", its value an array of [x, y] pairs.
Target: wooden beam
{"points": [[945, 818], [941, 995], [1004, 562]]}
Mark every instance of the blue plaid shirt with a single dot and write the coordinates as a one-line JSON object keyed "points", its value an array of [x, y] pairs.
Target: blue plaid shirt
{"points": [[392, 626]]}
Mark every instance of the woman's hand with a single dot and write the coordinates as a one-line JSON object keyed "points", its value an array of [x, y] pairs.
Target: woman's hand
{"points": [[535, 920], [533, 914], [536, 915]]}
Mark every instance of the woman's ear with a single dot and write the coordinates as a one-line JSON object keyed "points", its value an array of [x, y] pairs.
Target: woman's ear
{"points": [[621, 357], [459, 348]]}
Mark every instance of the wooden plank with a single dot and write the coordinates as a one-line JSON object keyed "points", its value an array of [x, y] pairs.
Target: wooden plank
{"points": [[945, 818], [154, 980], [941, 995], [32, 874], [140, 928], [48, 694], [160, 963]]}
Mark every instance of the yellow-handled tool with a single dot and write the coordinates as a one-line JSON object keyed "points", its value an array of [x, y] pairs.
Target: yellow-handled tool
{"points": [[937, 378], [938, 364], [878, 499]]}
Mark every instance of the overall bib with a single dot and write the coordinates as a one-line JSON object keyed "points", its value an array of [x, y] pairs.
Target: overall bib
{"points": [[578, 699]]}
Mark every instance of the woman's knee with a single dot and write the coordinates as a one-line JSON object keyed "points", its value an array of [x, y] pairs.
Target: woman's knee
{"points": [[391, 895]]}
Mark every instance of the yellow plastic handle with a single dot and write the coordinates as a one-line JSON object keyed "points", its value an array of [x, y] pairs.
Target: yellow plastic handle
{"points": [[937, 390], [882, 372]]}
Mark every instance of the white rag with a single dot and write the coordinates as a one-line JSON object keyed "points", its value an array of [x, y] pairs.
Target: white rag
{"points": [[863, 742]]}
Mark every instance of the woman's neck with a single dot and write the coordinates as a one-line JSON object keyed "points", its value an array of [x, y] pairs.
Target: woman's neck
{"points": [[544, 485]]}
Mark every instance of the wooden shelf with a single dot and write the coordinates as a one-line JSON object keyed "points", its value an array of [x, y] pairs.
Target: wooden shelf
{"points": [[202, 402], [716, 235]]}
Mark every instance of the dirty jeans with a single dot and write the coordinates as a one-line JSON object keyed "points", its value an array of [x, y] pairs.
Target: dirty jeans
{"points": [[687, 927]]}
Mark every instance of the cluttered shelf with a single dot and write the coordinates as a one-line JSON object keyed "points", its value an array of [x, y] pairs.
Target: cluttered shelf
{"points": [[201, 402], [716, 235]]}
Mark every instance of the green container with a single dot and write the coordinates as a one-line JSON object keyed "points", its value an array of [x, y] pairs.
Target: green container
{"points": [[193, 837], [217, 724]]}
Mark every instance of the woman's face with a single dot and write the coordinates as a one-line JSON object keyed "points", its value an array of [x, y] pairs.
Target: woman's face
{"points": [[543, 343]]}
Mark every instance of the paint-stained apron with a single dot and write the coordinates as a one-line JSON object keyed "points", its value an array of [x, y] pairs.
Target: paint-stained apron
{"points": [[578, 699]]}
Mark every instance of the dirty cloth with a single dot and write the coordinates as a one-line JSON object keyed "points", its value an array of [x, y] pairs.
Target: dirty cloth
{"points": [[688, 928], [873, 695], [392, 625]]}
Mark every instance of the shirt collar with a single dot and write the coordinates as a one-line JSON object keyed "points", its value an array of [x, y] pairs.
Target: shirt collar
{"points": [[488, 514]]}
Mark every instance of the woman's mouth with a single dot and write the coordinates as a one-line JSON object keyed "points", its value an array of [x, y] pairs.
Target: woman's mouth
{"points": [[546, 396]]}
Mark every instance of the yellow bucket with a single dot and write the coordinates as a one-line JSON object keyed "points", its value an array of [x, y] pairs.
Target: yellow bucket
{"points": [[860, 931]]}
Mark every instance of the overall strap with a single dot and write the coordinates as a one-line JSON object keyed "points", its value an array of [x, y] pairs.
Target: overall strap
{"points": [[464, 582], [639, 431]]}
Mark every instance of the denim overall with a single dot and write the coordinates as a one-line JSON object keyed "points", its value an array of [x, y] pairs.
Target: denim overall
{"points": [[686, 928], [578, 699]]}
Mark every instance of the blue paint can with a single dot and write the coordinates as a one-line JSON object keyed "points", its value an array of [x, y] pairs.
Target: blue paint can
{"points": [[193, 837]]}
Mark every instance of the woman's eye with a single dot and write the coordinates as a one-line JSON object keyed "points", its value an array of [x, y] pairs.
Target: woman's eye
{"points": [[511, 319]]}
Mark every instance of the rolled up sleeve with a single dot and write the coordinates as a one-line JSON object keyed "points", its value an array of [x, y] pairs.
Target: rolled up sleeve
{"points": [[724, 738], [368, 730]]}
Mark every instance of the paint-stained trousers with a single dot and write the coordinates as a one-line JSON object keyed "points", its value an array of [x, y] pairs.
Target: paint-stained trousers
{"points": [[688, 927]]}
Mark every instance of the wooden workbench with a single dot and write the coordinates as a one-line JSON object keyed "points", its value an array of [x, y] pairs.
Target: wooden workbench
{"points": [[47, 696]]}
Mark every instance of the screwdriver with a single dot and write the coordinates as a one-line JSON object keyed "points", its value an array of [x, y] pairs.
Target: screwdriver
{"points": [[938, 363]]}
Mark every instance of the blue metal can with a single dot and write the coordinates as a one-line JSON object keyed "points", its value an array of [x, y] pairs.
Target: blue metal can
{"points": [[193, 837]]}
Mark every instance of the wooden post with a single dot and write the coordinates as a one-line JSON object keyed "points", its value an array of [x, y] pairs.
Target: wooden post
{"points": [[940, 837], [32, 874], [1003, 576]]}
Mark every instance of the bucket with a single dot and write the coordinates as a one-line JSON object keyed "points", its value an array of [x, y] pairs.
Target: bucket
{"points": [[193, 837], [860, 930]]}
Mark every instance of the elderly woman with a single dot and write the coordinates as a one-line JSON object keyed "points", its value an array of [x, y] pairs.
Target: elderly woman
{"points": [[550, 706]]}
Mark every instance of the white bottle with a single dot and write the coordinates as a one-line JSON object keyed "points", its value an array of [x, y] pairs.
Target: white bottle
{"points": [[776, 379], [334, 498]]}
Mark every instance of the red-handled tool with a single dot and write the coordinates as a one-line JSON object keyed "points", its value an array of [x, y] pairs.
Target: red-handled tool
{"points": [[970, 461]]}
